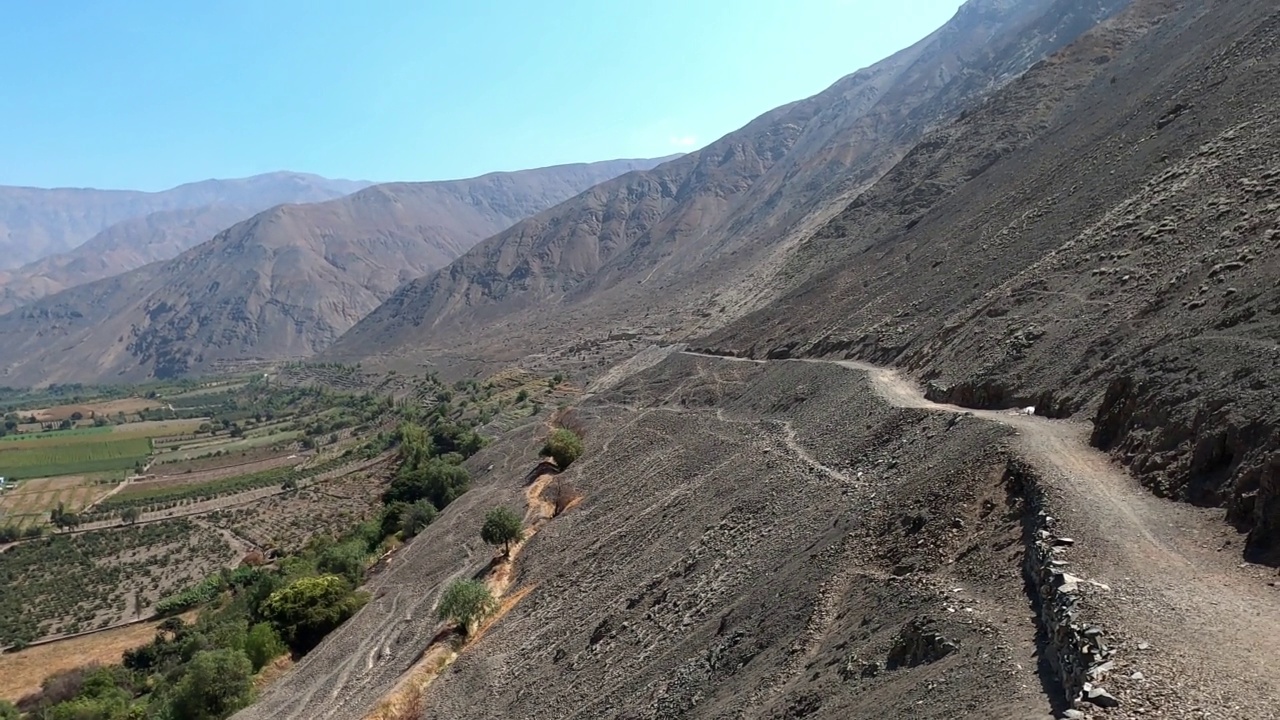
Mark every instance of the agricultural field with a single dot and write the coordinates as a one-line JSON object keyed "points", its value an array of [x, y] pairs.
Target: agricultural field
{"points": [[90, 410], [155, 495], [285, 523], [30, 503], [73, 452], [69, 584]]}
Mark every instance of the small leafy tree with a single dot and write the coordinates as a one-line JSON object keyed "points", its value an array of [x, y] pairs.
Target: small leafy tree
{"points": [[262, 645], [466, 602], [8, 711], [564, 446], [436, 480], [130, 515], [216, 684], [502, 527], [417, 517], [308, 609]]}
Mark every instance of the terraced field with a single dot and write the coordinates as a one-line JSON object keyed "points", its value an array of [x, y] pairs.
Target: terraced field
{"points": [[69, 584]]}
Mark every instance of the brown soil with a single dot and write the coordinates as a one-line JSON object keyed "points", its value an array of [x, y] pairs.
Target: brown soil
{"points": [[109, 408]]}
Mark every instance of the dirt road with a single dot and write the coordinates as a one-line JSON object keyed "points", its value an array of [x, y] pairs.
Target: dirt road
{"points": [[1200, 627]]}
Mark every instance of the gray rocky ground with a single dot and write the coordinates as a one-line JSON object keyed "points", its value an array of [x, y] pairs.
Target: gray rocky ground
{"points": [[807, 539]]}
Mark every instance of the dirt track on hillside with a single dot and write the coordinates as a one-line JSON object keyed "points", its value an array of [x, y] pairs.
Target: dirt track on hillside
{"points": [[1209, 622], [756, 539]]}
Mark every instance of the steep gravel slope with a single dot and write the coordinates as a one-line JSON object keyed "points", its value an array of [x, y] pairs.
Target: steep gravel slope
{"points": [[802, 539], [722, 565], [1107, 252], [661, 253]]}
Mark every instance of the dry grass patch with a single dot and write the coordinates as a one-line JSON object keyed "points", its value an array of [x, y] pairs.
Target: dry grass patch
{"points": [[110, 408], [22, 672]]}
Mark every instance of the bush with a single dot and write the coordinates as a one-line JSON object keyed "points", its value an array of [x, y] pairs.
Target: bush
{"points": [[8, 711], [466, 602], [308, 609], [216, 684], [417, 517], [564, 446], [262, 645], [436, 480], [346, 559], [502, 527]]}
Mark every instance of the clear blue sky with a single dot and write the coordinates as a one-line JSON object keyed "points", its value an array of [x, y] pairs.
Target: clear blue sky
{"points": [[146, 95]]}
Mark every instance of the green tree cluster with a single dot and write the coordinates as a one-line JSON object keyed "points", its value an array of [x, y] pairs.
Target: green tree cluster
{"points": [[564, 446]]}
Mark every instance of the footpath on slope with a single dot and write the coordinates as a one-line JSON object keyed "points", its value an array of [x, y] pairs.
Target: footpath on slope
{"points": [[1197, 629]]}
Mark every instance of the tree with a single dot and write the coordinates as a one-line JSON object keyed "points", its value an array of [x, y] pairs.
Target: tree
{"points": [[262, 645], [346, 559], [216, 684], [417, 517], [130, 515], [564, 446], [308, 609], [63, 519], [436, 480], [502, 527], [466, 602], [8, 711]]}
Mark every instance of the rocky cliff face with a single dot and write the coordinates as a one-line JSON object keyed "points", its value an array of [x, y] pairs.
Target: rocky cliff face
{"points": [[1099, 239]]}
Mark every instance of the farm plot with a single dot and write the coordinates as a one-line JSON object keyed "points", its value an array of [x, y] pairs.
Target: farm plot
{"points": [[72, 454], [175, 463], [107, 408], [286, 522], [157, 429], [151, 496], [68, 584], [34, 499]]}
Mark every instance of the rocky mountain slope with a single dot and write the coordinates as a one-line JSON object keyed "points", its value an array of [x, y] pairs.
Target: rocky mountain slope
{"points": [[284, 283], [127, 245], [688, 240], [1107, 253], [36, 222]]}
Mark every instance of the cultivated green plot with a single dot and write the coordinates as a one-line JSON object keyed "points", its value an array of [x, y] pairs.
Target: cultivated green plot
{"points": [[75, 455]]}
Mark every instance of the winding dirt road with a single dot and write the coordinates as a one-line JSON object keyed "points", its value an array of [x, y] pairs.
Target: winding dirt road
{"points": [[1200, 627]]}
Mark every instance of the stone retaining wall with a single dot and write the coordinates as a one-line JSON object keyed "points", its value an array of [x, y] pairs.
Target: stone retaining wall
{"points": [[1076, 650]]}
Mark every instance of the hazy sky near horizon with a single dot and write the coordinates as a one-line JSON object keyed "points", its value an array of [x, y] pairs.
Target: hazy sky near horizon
{"points": [[147, 94]]}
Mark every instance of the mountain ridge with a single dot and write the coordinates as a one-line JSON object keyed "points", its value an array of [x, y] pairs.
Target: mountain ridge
{"points": [[710, 229], [38, 222], [282, 283]]}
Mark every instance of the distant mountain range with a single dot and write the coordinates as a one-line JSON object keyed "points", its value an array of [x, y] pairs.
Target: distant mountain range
{"points": [[36, 223], [283, 283]]}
